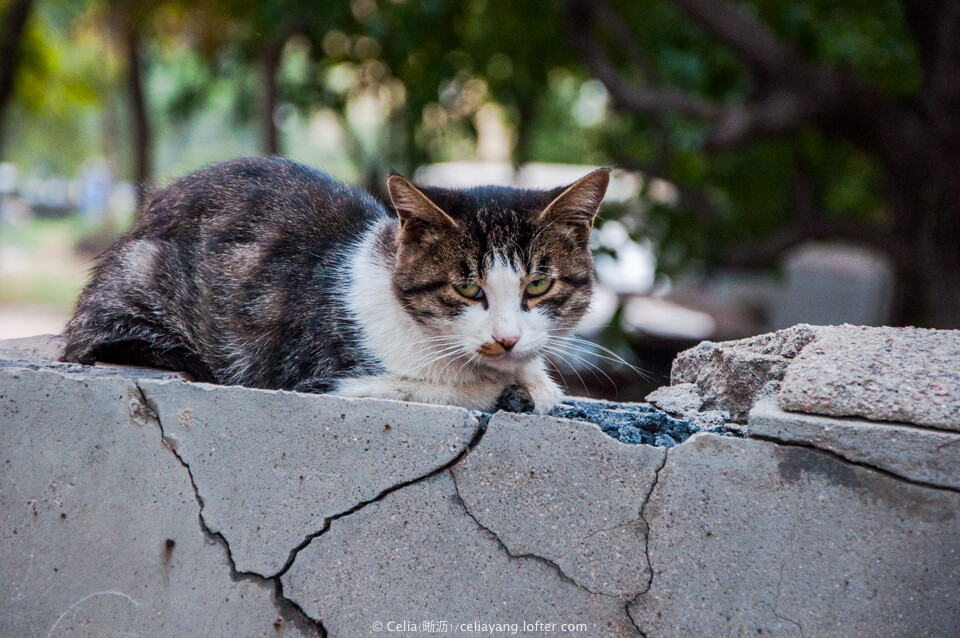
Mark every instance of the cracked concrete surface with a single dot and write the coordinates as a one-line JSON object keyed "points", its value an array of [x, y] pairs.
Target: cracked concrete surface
{"points": [[286, 511], [565, 492], [100, 532], [750, 537], [271, 467], [920, 455], [416, 554]]}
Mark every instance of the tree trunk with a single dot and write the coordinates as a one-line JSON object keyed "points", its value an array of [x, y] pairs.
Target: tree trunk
{"points": [[522, 151], [142, 147], [11, 35], [939, 255], [925, 240], [271, 65]]}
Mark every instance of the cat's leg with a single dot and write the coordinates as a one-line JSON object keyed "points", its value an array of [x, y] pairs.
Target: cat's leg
{"points": [[115, 329], [122, 316], [136, 352], [478, 396], [544, 391]]}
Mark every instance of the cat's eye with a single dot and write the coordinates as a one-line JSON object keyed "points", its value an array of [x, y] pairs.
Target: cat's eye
{"points": [[470, 291], [538, 287]]}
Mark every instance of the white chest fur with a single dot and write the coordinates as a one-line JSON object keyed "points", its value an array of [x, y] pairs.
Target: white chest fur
{"points": [[423, 367]]}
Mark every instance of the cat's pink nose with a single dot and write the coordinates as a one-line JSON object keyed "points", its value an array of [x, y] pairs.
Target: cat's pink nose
{"points": [[507, 342]]}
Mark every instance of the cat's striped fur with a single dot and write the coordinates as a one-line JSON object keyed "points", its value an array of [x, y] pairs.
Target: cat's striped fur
{"points": [[266, 273]]}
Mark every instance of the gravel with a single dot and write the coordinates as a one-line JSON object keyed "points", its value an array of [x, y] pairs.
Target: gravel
{"points": [[637, 422]]}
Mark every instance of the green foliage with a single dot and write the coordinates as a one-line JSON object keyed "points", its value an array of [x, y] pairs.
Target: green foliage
{"points": [[430, 65]]}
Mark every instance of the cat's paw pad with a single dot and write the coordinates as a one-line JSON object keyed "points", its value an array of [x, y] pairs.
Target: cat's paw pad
{"points": [[515, 398]]}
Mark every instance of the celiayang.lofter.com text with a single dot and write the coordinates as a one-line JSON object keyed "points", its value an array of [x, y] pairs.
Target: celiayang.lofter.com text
{"points": [[481, 628]]}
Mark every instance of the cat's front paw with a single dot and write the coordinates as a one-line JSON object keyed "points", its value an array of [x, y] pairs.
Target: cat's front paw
{"points": [[545, 394]]}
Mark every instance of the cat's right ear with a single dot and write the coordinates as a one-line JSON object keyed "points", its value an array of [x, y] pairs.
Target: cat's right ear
{"points": [[415, 210]]}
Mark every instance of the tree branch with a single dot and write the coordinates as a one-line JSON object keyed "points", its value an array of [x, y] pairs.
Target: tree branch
{"points": [[617, 27], [782, 111], [754, 42], [142, 147], [767, 251], [627, 95]]}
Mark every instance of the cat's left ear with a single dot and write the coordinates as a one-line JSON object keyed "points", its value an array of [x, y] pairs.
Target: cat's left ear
{"points": [[577, 205], [415, 209]]}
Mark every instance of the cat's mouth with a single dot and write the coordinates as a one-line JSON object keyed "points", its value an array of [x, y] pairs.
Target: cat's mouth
{"points": [[496, 356], [493, 350]]}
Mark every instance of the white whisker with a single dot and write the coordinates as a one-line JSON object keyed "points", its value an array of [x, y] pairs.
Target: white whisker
{"points": [[595, 367], [569, 365]]}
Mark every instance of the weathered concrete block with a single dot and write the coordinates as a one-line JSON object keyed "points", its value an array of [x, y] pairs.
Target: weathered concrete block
{"points": [[566, 492], [99, 529], [417, 555], [377, 511], [754, 538], [907, 375], [271, 466], [916, 454]]}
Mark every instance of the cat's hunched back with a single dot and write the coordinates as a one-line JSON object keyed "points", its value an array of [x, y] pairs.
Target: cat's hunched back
{"points": [[231, 273]]}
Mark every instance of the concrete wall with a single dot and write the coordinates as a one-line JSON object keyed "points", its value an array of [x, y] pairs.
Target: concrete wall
{"points": [[135, 503]]}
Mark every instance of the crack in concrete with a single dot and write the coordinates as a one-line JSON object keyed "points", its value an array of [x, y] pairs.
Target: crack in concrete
{"points": [[291, 609], [288, 609], [646, 540], [503, 546], [588, 537], [863, 464], [793, 622], [481, 430], [783, 566]]}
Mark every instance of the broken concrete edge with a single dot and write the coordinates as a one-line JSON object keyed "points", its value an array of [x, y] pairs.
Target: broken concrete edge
{"points": [[911, 453], [731, 376], [633, 423], [288, 608]]}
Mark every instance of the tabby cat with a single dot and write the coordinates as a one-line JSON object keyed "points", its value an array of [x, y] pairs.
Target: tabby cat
{"points": [[269, 274]]}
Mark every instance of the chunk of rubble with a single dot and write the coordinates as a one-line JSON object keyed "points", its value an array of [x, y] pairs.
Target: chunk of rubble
{"points": [[733, 375]]}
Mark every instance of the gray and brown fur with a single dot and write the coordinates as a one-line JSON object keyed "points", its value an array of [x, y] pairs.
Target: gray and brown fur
{"points": [[236, 273]]}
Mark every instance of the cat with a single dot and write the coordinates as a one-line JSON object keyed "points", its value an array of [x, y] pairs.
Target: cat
{"points": [[270, 274]]}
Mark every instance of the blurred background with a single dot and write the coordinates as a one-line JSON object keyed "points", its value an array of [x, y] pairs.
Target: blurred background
{"points": [[776, 161]]}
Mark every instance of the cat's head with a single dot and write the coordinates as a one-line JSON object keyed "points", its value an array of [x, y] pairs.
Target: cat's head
{"points": [[496, 271]]}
